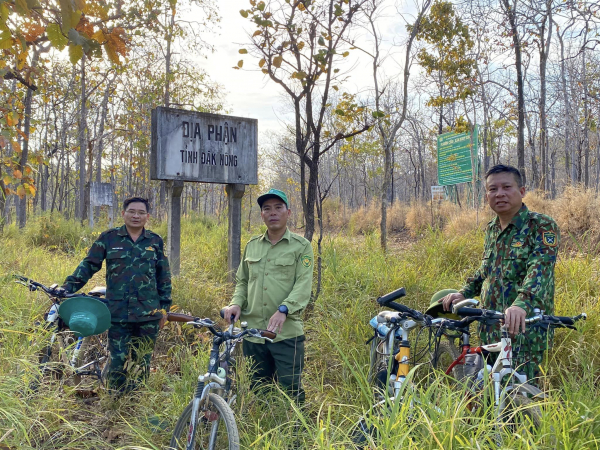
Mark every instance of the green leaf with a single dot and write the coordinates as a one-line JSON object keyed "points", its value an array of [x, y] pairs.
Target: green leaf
{"points": [[340, 112], [55, 36], [240, 63], [277, 61], [244, 13], [66, 11], [21, 7], [3, 13], [242, 51], [378, 114], [6, 40], [345, 54], [261, 6], [321, 41], [75, 53]]}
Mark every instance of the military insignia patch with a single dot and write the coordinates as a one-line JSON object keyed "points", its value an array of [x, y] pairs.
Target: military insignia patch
{"points": [[549, 238], [517, 244], [306, 261], [150, 249]]}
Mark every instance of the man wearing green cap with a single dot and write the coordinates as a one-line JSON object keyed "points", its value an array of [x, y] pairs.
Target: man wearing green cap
{"points": [[273, 286], [138, 285]]}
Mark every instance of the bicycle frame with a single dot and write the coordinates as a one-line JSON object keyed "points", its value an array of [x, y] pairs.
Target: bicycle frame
{"points": [[214, 379], [395, 381], [217, 378]]}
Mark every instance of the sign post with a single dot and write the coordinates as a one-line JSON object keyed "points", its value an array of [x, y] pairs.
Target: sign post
{"points": [[209, 148]]}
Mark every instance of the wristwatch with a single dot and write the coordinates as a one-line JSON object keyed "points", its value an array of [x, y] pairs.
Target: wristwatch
{"points": [[283, 309]]}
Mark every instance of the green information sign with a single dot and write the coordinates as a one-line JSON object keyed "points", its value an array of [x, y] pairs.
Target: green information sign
{"points": [[455, 159]]}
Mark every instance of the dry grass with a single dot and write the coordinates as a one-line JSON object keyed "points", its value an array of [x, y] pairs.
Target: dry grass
{"points": [[576, 211], [467, 222]]}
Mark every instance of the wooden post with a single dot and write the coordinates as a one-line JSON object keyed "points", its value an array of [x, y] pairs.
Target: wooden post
{"points": [[174, 190], [235, 193]]}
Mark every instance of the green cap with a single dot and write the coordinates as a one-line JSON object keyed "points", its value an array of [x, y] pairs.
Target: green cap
{"points": [[436, 309], [85, 316], [273, 193]]}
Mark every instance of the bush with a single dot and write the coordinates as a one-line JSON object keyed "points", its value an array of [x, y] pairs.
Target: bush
{"points": [[56, 233]]}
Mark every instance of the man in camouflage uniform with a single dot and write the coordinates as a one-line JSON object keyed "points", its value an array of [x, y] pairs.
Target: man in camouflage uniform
{"points": [[138, 284], [517, 271], [273, 286]]}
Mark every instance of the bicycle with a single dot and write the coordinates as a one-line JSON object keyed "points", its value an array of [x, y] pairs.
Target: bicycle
{"points": [[199, 426], [390, 362], [513, 397], [64, 351]]}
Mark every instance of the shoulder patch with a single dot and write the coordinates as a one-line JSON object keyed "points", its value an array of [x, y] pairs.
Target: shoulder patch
{"points": [[549, 238], [306, 260]]}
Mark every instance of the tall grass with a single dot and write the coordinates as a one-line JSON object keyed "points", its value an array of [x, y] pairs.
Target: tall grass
{"points": [[355, 273]]}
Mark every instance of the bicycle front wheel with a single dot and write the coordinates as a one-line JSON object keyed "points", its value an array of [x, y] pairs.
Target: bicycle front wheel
{"points": [[92, 361], [521, 413], [215, 427]]}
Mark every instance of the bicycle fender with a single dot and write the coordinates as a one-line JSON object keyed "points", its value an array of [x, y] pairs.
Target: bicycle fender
{"points": [[529, 390]]}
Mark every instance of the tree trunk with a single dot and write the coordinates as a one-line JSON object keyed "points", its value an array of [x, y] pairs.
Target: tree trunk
{"points": [[22, 202], [80, 197], [511, 15]]}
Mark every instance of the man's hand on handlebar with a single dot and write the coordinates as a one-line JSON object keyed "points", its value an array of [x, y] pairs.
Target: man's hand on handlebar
{"points": [[233, 310], [514, 319], [451, 299], [59, 291]]}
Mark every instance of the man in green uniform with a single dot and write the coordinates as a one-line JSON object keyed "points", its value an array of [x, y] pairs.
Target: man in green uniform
{"points": [[517, 271], [273, 286], [138, 284]]}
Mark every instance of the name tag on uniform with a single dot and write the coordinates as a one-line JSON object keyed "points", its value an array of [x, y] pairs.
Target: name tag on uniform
{"points": [[117, 248]]}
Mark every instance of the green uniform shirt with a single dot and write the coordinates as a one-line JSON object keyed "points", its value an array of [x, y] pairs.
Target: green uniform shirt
{"points": [[517, 269], [273, 275], [138, 279]]}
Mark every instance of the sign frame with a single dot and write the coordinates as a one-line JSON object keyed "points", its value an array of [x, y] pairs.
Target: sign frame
{"points": [[203, 147], [456, 153]]}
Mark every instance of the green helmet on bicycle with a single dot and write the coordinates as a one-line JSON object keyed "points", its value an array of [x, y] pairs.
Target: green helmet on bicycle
{"points": [[436, 309]]}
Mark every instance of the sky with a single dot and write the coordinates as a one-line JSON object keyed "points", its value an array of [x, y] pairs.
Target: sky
{"points": [[250, 93]]}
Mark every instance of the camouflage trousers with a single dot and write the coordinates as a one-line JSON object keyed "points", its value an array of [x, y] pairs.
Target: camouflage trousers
{"points": [[137, 338]]}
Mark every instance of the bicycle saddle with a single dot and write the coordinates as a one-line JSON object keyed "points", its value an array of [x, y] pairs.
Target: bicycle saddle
{"points": [[98, 291]]}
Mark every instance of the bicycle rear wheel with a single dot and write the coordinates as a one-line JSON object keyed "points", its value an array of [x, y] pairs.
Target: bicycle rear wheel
{"points": [[215, 428], [445, 354]]}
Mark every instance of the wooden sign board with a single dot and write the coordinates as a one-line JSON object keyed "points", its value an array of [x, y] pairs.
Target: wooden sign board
{"points": [[203, 147]]}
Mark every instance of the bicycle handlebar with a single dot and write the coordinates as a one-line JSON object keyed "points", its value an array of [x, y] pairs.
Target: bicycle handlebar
{"points": [[387, 298], [207, 323], [52, 292], [482, 315], [402, 310]]}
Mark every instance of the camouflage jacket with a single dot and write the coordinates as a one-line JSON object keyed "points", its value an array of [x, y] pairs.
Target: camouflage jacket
{"points": [[517, 269], [138, 279]]}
